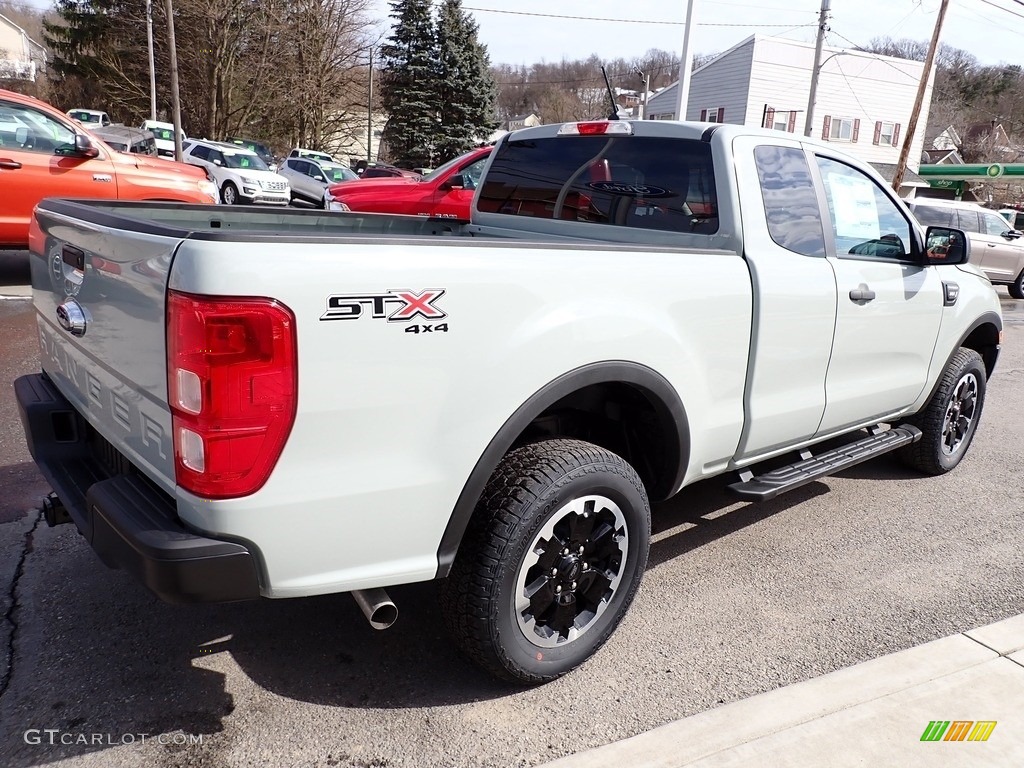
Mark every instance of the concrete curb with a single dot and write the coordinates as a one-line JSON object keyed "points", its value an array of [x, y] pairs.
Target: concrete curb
{"points": [[869, 714]]}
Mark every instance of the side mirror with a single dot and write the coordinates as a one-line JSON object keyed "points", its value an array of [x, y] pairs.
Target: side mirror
{"points": [[458, 181], [84, 147], [946, 246], [21, 135], [1013, 234]]}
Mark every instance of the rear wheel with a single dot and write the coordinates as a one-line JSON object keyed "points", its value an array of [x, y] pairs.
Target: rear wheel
{"points": [[1016, 288], [551, 561], [950, 419], [229, 193]]}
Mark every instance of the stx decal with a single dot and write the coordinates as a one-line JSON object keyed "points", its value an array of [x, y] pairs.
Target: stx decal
{"points": [[397, 306]]}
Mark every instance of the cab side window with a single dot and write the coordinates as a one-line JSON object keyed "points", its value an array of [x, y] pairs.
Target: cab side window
{"points": [[27, 129], [790, 202], [866, 223], [472, 173]]}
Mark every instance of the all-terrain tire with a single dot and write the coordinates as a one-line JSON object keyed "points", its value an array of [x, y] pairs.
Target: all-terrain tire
{"points": [[950, 419], [550, 562]]}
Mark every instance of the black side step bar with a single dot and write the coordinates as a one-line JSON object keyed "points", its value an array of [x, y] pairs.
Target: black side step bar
{"points": [[810, 468]]}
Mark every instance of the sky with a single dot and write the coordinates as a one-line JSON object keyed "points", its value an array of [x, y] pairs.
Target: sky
{"points": [[527, 31]]}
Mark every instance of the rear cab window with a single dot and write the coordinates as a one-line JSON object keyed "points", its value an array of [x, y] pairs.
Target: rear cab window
{"points": [[643, 182]]}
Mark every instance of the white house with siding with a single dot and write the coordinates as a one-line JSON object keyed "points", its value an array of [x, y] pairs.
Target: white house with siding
{"points": [[864, 100], [21, 57]]}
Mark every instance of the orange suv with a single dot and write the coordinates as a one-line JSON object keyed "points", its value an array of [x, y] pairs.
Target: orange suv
{"points": [[44, 153]]}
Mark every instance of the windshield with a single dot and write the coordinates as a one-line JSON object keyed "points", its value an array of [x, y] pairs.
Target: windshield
{"points": [[247, 161], [85, 117], [442, 170], [337, 173], [164, 134]]}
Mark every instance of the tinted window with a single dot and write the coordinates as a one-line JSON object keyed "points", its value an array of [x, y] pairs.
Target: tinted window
{"points": [[790, 202], [201, 152], [865, 221], [933, 216], [968, 221], [630, 181]]}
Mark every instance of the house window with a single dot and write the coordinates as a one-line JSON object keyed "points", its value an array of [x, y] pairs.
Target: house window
{"points": [[840, 129], [779, 120], [887, 134], [663, 116], [714, 115]]}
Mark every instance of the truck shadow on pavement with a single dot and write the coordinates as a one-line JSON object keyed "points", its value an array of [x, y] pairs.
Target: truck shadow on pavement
{"points": [[97, 654]]}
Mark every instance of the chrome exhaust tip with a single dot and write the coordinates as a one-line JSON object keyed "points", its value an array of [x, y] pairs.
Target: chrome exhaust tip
{"points": [[376, 606]]}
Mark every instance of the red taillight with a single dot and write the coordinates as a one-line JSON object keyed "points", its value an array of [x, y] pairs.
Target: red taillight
{"points": [[232, 382], [596, 128]]}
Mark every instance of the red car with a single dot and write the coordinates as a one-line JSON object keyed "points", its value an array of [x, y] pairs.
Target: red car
{"points": [[445, 192]]}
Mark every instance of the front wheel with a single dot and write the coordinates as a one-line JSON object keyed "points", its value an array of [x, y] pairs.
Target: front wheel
{"points": [[950, 419], [1016, 288], [550, 562], [229, 193]]}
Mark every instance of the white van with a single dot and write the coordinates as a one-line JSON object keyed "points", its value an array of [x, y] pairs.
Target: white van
{"points": [[164, 134]]}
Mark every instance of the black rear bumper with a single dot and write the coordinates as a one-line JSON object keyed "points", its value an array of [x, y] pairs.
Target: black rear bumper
{"points": [[130, 523]]}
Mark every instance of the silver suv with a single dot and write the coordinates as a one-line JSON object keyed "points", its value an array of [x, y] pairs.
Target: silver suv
{"points": [[996, 249], [309, 178]]}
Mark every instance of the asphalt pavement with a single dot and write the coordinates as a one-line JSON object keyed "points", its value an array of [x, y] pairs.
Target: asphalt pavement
{"points": [[739, 601]]}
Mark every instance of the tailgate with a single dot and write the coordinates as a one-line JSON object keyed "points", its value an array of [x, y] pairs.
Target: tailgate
{"points": [[99, 285]]}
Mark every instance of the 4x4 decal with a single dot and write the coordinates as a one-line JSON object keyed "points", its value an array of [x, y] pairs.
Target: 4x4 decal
{"points": [[396, 305]]}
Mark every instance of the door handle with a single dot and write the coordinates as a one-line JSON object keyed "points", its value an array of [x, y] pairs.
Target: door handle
{"points": [[991, 245], [862, 293], [10, 165]]}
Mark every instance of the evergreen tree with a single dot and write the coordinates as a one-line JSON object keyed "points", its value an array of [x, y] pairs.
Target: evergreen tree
{"points": [[408, 92], [99, 53], [466, 93]]}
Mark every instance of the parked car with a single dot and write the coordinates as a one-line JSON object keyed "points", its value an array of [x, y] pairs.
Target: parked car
{"points": [[45, 153], [125, 139], [312, 154], [384, 171], [1014, 216], [260, 149], [89, 117], [164, 133], [996, 247], [241, 176], [446, 192], [310, 178]]}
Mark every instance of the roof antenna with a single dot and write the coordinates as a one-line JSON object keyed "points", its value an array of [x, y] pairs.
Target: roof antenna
{"points": [[615, 107]]}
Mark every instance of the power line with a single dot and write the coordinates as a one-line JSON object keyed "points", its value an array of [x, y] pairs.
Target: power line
{"points": [[624, 21]]}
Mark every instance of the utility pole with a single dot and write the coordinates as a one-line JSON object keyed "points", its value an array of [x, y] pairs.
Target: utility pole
{"points": [[685, 65], [645, 80], [152, 65], [901, 165], [826, 8], [175, 95], [369, 114]]}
